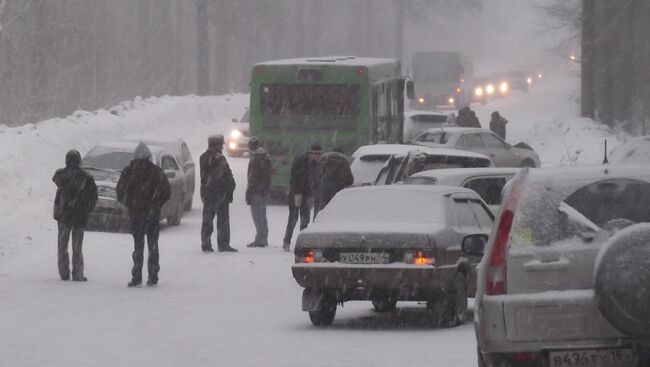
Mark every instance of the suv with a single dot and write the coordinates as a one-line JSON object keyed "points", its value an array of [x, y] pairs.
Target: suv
{"points": [[565, 280]]}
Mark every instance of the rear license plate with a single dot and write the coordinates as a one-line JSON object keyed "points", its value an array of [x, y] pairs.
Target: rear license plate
{"points": [[592, 358], [363, 258]]}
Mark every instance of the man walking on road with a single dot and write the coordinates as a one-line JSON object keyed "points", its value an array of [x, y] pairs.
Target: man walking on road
{"points": [[257, 191], [143, 188], [303, 191], [335, 175], [76, 196], [217, 187], [498, 125]]}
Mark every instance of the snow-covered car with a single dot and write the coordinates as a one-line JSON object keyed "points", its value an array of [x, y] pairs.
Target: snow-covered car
{"points": [[184, 159], [487, 182], [481, 141], [392, 243], [564, 280], [238, 135], [105, 163], [416, 122], [369, 161]]}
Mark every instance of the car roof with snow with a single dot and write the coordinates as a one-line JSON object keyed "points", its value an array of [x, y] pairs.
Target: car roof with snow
{"points": [[445, 175], [435, 113], [404, 149], [579, 174], [125, 146], [457, 130], [432, 189], [331, 60]]}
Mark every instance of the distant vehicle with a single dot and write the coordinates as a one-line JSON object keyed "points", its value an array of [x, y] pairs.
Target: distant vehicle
{"points": [[105, 163], [442, 79], [369, 161], [392, 243], [483, 90], [339, 102], [564, 280], [416, 122], [500, 84], [185, 161], [481, 141], [237, 136], [518, 80], [487, 182]]}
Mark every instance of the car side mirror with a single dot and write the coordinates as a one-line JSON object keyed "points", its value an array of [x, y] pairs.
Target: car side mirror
{"points": [[410, 89], [474, 244], [170, 173]]}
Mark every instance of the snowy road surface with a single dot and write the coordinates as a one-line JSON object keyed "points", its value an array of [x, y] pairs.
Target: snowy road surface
{"points": [[208, 309]]}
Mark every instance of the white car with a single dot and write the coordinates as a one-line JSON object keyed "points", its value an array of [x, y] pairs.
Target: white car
{"points": [[237, 136], [416, 122]]}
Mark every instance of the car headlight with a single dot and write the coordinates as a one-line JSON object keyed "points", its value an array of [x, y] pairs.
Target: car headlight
{"points": [[421, 100], [232, 146], [451, 100], [235, 134], [478, 92], [529, 80], [489, 89], [503, 87]]}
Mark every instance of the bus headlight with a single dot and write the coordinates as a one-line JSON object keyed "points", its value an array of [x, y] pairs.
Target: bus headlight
{"points": [[503, 87], [235, 134], [451, 100], [421, 100], [478, 91], [529, 80], [232, 146], [489, 89]]}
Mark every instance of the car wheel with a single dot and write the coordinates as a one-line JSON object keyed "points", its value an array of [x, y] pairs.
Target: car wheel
{"points": [[384, 304], [325, 316], [175, 219], [528, 163], [449, 309]]}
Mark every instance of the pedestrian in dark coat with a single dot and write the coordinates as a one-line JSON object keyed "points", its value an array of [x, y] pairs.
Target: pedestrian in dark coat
{"points": [[217, 187], [257, 191], [498, 125], [474, 121], [303, 191], [335, 175], [143, 188], [76, 196], [467, 118]]}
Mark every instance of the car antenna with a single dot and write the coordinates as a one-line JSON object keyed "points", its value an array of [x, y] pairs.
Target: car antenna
{"points": [[605, 160]]}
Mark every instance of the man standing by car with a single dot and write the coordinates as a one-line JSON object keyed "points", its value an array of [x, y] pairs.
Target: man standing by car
{"points": [[143, 188], [303, 191], [467, 118], [335, 175], [76, 196], [498, 125], [217, 187], [257, 192]]}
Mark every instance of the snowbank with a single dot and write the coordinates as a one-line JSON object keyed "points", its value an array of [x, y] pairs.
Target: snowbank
{"points": [[633, 151], [30, 154]]}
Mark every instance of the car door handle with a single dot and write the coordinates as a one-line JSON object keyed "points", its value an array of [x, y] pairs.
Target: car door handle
{"points": [[555, 264]]}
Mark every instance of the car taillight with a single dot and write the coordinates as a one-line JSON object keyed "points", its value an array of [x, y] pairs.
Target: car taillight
{"points": [[419, 258], [496, 268], [309, 256]]}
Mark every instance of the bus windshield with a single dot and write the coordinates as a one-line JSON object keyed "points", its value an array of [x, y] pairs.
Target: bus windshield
{"points": [[437, 68], [310, 99]]}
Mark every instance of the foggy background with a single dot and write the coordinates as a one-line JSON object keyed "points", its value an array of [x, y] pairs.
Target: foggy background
{"points": [[58, 56]]}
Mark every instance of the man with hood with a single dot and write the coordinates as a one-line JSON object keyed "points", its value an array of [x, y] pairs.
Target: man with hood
{"points": [[257, 192], [217, 187], [303, 191], [143, 188], [498, 125], [335, 175], [467, 118], [76, 196]]}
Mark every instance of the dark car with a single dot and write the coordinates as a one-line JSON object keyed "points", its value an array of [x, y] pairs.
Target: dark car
{"points": [[105, 163], [392, 243]]}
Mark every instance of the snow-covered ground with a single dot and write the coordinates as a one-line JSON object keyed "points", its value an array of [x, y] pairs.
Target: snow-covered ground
{"points": [[210, 309]]}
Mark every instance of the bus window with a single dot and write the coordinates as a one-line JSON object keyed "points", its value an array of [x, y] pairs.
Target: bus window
{"points": [[310, 99]]}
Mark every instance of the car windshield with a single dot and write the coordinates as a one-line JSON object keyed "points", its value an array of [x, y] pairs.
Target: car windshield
{"points": [[111, 161], [383, 206], [438, 137], [597, 210]]}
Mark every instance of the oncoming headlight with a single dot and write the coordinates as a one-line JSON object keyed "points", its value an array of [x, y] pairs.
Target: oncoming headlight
{"points": [[489, 89], [503, 87], [478, 91], [421, 100], [451, 100], [235, 134]]}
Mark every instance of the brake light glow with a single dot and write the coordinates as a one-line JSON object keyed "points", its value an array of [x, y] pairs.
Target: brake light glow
{"points": [[458, 90], [496, 268], [360, 71], [419, 258], [310, 257], [259, 70]]}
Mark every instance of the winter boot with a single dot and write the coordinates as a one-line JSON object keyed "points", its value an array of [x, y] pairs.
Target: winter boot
{"points": [[133, 283]]}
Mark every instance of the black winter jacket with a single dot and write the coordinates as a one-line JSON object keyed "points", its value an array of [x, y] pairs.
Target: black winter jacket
{"points": [[76, 196], [335, 175], [305, 177], [217, 182], [259, 172], [143, 188]]}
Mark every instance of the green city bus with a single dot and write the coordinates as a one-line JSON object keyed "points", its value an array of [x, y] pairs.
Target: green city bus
{"points": [[337, 102]]}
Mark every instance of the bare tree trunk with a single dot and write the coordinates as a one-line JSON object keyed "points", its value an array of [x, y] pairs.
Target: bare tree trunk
{"points": [[39, 72], [144, 46], [179, 13], [300, 28], [399, 29], [203, 48], [315, 27], [588, 86]]}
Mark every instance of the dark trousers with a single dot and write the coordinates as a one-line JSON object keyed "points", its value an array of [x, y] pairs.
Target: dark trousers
{"points": [[258, 212], [304, 213], [77, 255], [221, 210], [140, 229]]}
